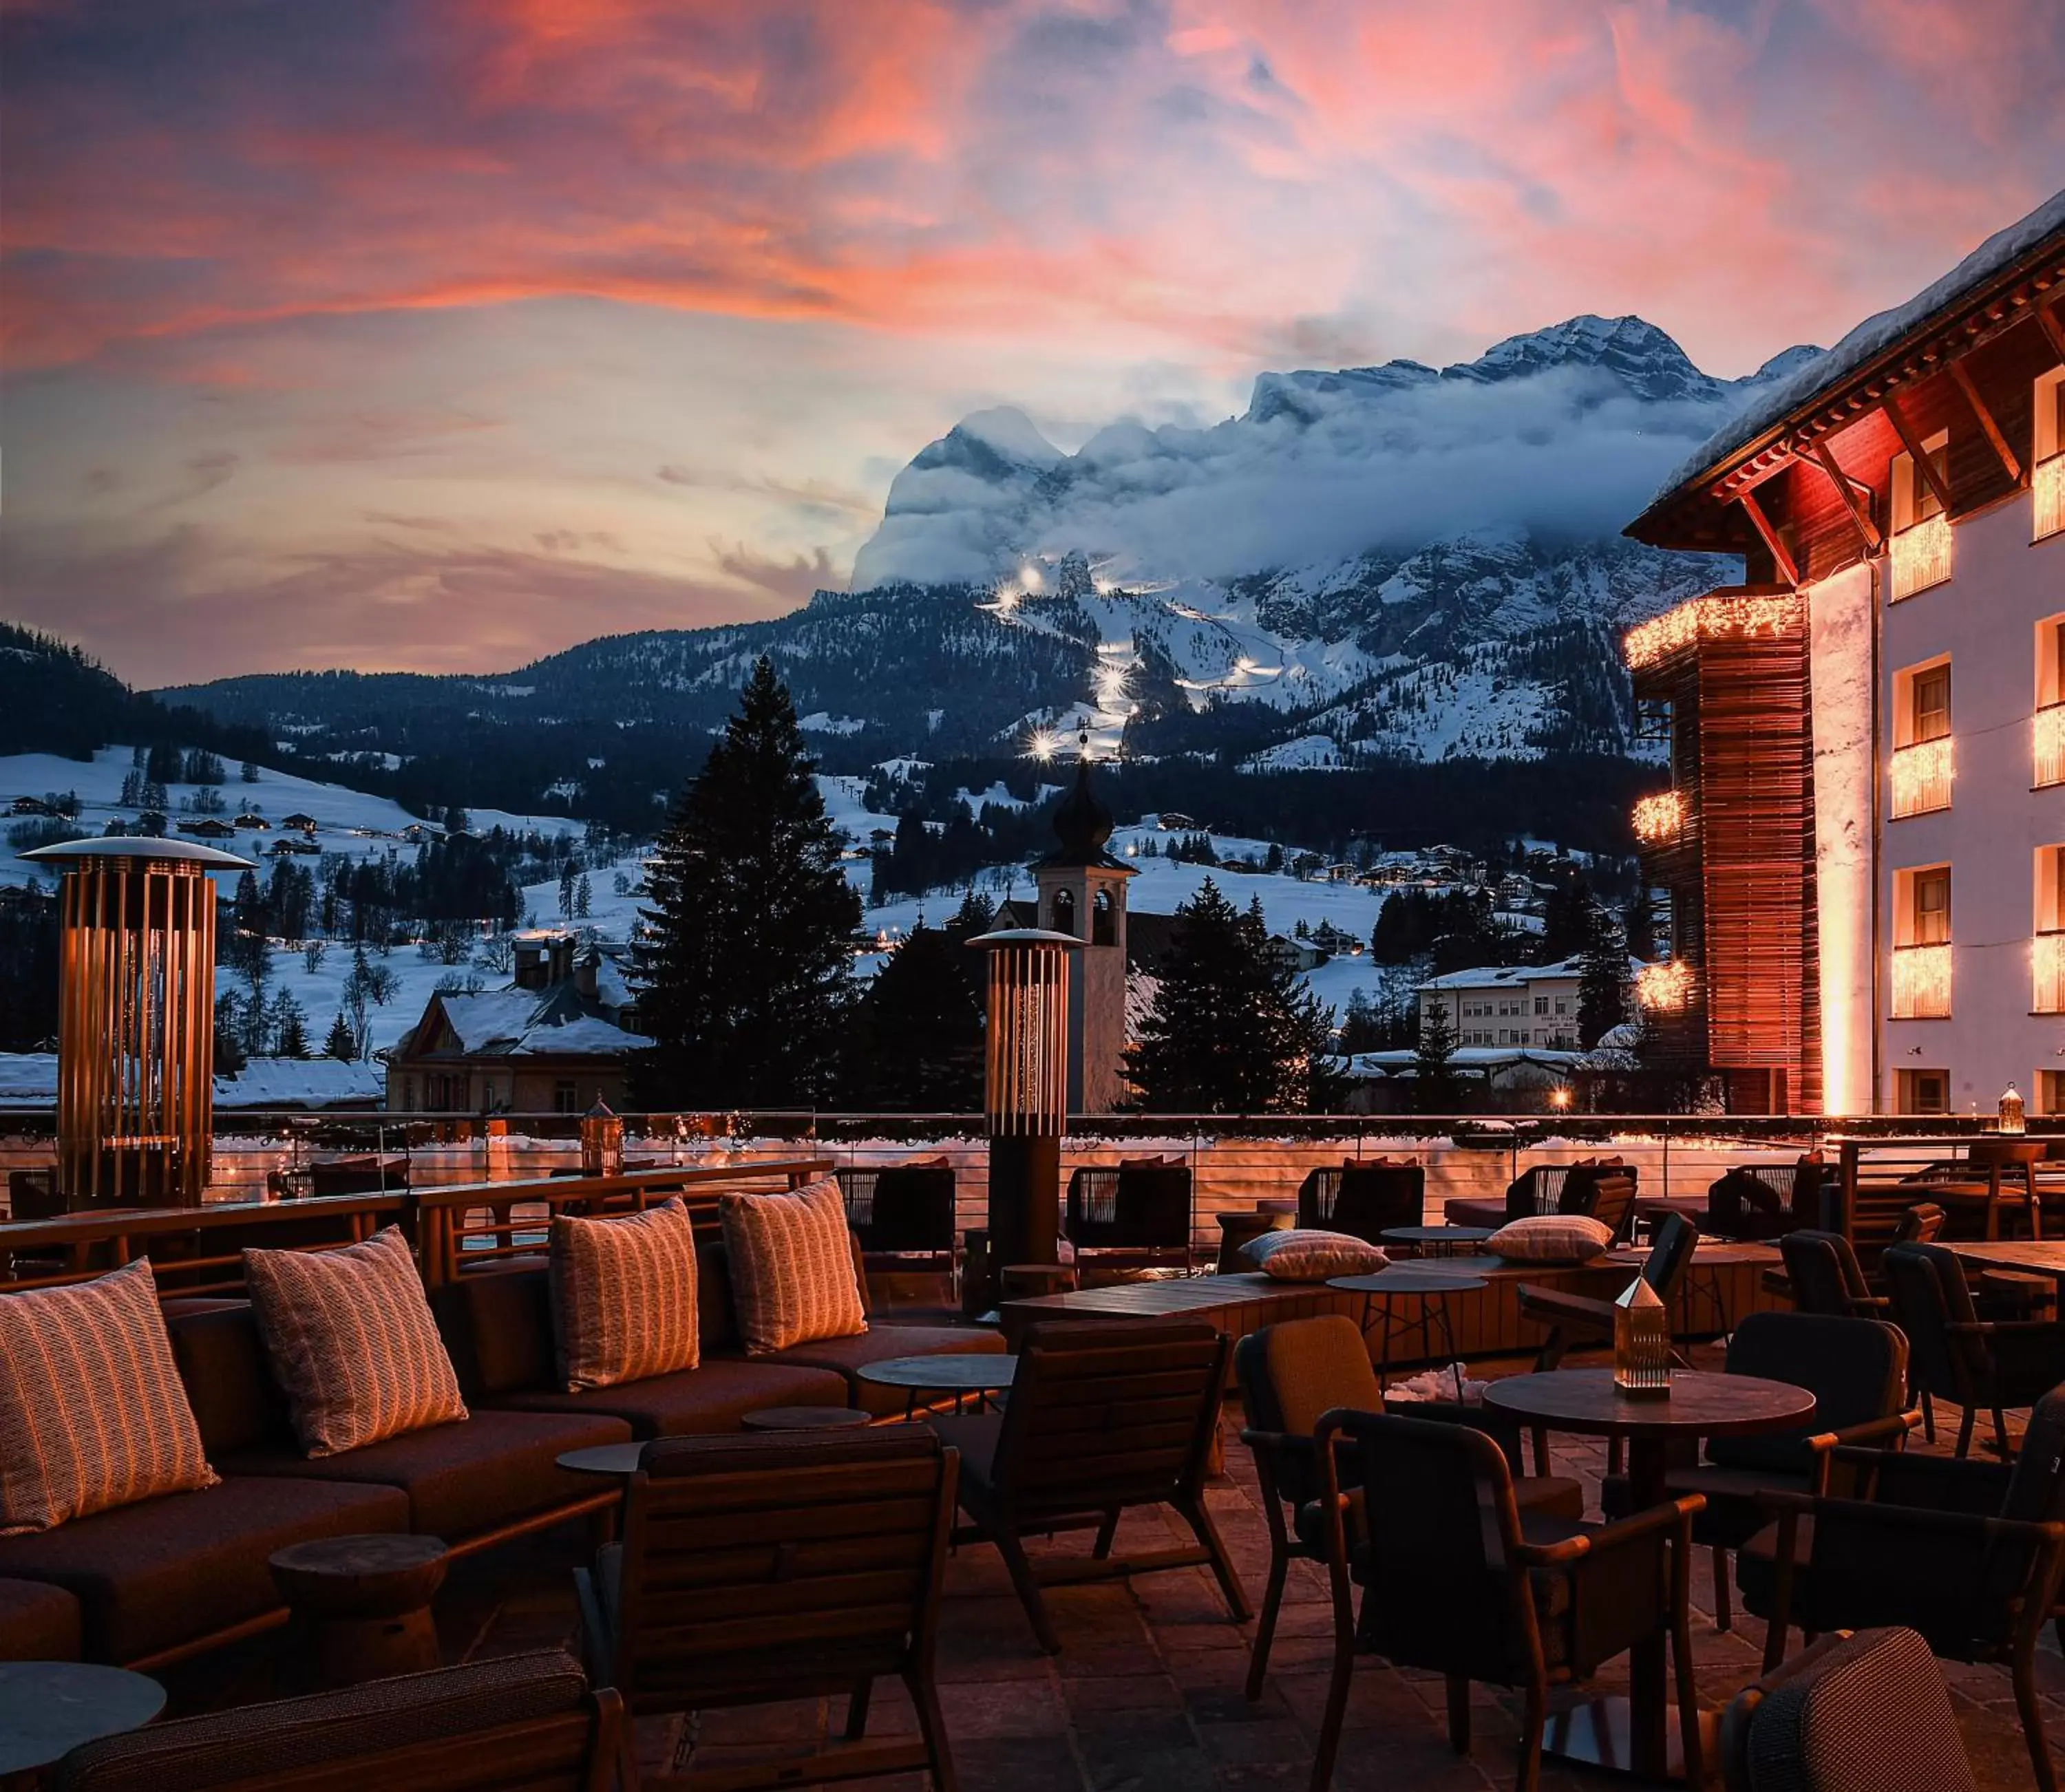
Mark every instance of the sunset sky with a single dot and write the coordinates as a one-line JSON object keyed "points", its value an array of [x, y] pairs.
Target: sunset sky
{"points": [[437, 336]]}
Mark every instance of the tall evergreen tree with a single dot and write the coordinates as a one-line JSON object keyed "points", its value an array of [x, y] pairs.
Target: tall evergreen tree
{"points": [[745, 961], [341, 1044], [1434, 1072], [1601, 982], [915, 1042], [1231, 1030]]}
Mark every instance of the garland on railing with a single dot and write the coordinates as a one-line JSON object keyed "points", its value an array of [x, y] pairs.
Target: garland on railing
{"points": [[1717, 616]]}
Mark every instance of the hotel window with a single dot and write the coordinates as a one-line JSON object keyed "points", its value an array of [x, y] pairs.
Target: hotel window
{"points": [[1924, 1092], [2047, 478], [1921, 943], [2046, 945], [1921, 755], [2049, 1086], [1542, 1004], [1921, 529]]}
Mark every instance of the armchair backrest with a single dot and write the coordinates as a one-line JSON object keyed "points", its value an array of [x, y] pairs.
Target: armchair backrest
{"points": [[760, 1567], [1293, 1373], [1670, 1256], [1867, 1712], [1363, 1200], [525, 1722], [902, 1207], [1928, 1293], [1613, 1201], [1140, 1205], [1922, 1223], [1855, 1369], [1824, 1271], [1107, 1416], [2036, 1491]]}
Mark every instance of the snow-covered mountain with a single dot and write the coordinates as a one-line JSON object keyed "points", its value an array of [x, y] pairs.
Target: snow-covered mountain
{"points": [[1397, 561]]}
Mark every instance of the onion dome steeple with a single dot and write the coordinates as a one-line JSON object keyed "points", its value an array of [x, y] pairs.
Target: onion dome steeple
{"points": [[1082, 824]]}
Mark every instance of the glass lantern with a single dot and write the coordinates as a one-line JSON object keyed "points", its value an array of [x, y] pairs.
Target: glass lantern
{"points": [[601, 1141], [1642, 1343], [2010, 1110]]}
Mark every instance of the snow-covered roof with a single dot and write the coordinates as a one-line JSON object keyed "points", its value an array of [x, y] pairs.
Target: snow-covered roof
{"points": [[517, 1022], [1514, 976], [28, 1078], [1999, 251], [1405, 1063], [300, 1083]]}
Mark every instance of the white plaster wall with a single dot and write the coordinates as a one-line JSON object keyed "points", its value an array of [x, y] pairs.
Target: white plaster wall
{"points": [[1839, 635], [1985, 617]]}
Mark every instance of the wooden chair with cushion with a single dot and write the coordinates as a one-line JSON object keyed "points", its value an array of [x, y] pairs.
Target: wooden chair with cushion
{"points": [[1291, 1375], [1101, 1417], [1362, 1199], [1862, 1713], [1958, 1354], [1856, 1370], [1457, 1581], [763, 1569], [1825, 1278], [1576, 1319], [524, 1723], [1968, 1554]]}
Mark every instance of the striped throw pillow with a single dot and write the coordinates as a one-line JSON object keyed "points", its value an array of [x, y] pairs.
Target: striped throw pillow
{"points": [[623, 1296], [92, 1411], [792, 1269], [352, 1343]]}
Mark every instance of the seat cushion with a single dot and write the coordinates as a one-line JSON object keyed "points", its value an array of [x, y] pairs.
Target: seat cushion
{"points": [[714, 1396], [152, 1576], [846, 1356], [1473, 1210], [473, 1475], [38, 1623]]}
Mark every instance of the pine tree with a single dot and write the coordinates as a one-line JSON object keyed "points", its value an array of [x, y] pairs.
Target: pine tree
{"points": [[1601, 982], [1231, 1030], [745, 960], [289, 1025], [1434, 1076], [340, 1044], [916, 1042]]}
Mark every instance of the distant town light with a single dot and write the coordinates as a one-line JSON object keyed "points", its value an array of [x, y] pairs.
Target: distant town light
{"points": [[1043, 744], [1659, 818], [1559, 1097], [1663, 987], [1718, 615]]}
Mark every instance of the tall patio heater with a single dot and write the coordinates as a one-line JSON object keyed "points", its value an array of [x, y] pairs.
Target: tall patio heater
{"points": [[136, 1019], [1025, 1099]]}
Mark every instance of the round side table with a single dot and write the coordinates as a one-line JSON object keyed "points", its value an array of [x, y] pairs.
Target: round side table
{"points": [[805, 1418], [1429, 1284], [48, 1709], [363, 1603], [958, 1373]]}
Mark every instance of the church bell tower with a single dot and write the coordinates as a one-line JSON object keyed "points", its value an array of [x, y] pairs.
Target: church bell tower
{"points": [[1082, 893]]}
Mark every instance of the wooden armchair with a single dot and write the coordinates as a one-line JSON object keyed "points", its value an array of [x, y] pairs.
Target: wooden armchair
{"points": [[758, 1569], [1578, 1319], [1825, 1276], [1755, 1202], [1956, 1353], [1856, 1370], [1101, 1418], [1454, 1583], [1967, 1553], [524, 1723], [1868, 1713], [1291, 1375]]}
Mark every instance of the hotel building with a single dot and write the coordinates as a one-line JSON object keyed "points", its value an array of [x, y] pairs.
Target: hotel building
{"points": [[1864, 841]]}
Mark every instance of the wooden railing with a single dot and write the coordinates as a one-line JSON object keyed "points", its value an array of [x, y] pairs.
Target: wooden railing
{"points": [[454, 1230]]}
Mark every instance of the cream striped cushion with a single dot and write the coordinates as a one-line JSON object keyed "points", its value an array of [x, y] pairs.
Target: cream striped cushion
{"points": [[92, 1411], [352, 1343], [792, 1269], [623, 1296]]}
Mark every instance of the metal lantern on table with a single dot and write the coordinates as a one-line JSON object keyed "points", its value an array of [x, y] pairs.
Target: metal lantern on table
{"points": [[1026, 1089], [136, 1019], [2010, 1110], [602, 1141], [1642, 1341]]}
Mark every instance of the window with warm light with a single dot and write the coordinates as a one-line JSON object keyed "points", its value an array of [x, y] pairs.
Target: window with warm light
{"points": [[1920, 526], [2047, 478], [2046, 945], [1922, 758], [2050, 1087], [1923, 1091], [1921, 943]]}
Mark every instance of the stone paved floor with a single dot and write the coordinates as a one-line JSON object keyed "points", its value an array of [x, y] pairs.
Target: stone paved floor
{"points": [[1147, 1691]]}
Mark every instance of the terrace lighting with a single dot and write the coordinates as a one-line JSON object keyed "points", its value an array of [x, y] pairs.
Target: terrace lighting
{"points": [[1713, 617], [2010, 1110], [601, 1141], [1921, 776], [1659, 818], [2050, 744], [1665, 987], [136, 1019], [1921, 555], [1559, 1097]]}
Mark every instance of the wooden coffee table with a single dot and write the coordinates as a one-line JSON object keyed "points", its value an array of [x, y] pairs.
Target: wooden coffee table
{"points": [[363, 1603], [958, 1373], [1638, 1734], [48, 1709]]}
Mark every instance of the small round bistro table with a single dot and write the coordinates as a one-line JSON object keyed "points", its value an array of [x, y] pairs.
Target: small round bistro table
{"points": [[958, 1373], [1435, 1240], [1638, 1735], [363, 1603], [805, 1418], [1430, 1284], [48, 1709]]}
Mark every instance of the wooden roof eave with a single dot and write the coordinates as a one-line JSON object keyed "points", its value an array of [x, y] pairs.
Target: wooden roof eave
{"points": [[2018, 294]]}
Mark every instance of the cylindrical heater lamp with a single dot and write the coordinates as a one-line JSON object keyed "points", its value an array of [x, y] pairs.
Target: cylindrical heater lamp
{"points": [[1026, 1091], [136, 1019]]}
